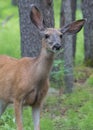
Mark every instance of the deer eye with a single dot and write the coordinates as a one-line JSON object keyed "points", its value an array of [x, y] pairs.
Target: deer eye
{"points": [[61, 36], [47, 36]]}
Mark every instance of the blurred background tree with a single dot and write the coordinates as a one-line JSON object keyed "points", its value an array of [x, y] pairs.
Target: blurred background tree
{"points": [[30, 38], [66, 16], [88, 32], [73, 8], [73, 4]]}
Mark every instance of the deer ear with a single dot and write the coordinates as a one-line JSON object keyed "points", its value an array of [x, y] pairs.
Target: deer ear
{"points": [[74, 27], [36, 17]]}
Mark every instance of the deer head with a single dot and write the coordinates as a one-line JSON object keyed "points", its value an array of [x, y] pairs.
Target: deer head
{"points": [[52, 38]]}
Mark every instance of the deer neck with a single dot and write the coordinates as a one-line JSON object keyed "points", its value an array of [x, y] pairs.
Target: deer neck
{"points": [[45, 61]]}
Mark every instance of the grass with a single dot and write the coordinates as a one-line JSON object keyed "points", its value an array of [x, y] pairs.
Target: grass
{"points": [[74, 111], [67, 112]]}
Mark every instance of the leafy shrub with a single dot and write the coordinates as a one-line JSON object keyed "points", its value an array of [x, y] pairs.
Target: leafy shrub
{"points": [[58, 73]]}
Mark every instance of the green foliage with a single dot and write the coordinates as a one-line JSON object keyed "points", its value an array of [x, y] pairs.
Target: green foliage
{"points": [[82, 73], [75, 110], [7, 121], [90, 80], [9, 29], [8, 44], [7, 9], [57, 7], [89, 62], [47, 123], [57, 75]]}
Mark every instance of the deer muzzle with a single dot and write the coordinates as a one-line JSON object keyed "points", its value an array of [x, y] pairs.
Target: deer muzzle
{"points": [[56, 46]]}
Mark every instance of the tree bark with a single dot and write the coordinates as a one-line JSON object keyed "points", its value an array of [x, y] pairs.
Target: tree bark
{"points": [[67, 40], [88, 32], [73, 7], [62, 21], [30, 38]]}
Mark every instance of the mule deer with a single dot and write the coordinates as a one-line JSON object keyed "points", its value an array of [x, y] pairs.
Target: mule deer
{"points": [[25, 81]]}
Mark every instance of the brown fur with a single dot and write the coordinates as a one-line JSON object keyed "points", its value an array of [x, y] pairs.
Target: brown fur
{"points": [[24, 80], [19, 78]]}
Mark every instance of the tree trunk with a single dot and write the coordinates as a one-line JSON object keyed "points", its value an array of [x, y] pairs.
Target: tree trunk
{"points": [[73, 7], [88, 32], [62, 21], [68, 55], [30, 38], [14, 2]]}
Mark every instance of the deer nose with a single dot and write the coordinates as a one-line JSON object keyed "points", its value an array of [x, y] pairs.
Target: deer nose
{"points": [[57, 46]]}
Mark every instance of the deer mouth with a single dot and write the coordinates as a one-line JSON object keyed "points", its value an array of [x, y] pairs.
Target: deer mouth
{"points": [[56, 47]]}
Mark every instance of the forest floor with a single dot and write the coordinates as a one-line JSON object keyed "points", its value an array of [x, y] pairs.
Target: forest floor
{"points": [[73, 111]]}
